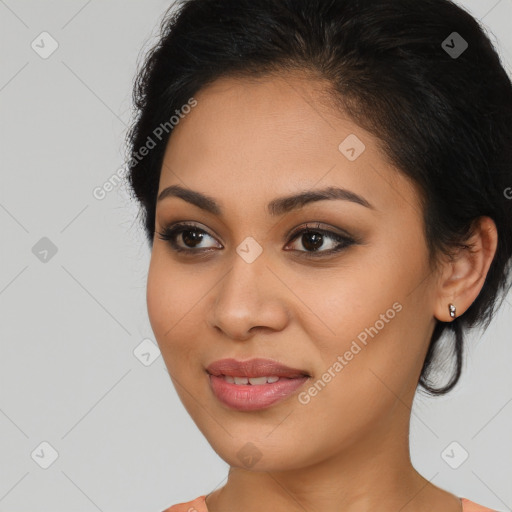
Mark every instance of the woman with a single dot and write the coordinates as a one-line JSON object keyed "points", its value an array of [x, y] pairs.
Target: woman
{"points": [[323, 187]]}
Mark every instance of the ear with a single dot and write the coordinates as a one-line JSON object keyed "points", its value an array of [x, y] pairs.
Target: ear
{"points": [[463, 275]]}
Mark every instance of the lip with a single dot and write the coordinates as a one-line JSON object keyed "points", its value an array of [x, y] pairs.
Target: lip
{"points": [[249, 397], [257, 367]]}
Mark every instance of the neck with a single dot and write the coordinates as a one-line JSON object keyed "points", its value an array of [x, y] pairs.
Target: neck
{"points": [[373, 472]]}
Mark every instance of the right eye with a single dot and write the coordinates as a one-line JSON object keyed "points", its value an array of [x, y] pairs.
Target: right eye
{"points": [[190, 236]]}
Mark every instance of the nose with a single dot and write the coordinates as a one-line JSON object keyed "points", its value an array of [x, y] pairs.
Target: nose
{"points": [[248, 299]]}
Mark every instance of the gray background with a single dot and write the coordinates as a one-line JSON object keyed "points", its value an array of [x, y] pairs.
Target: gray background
{"points": [[73, 371]]}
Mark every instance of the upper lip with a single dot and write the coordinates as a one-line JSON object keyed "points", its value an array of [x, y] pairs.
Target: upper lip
{"points": [[253, 368]]}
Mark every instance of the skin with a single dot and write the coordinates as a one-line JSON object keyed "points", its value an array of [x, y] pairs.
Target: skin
{"points": [[245, 144]]}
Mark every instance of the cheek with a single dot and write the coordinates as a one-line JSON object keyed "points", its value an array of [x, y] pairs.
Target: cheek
{"points": [[167, 298], [157, 297], [364, 368], [368, 333], [174, 300]]}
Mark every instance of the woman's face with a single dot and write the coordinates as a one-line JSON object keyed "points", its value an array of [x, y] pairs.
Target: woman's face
{"points": [[357, 321]]}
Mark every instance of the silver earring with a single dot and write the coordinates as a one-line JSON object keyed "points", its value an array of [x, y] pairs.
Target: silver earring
{"points": [[452, 309]]}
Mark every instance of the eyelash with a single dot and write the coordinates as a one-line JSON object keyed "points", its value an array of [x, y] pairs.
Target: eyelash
{"points": [[170, 234]]}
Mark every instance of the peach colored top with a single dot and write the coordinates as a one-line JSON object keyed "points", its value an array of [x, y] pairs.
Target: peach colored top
{"points": [[199, 505]]}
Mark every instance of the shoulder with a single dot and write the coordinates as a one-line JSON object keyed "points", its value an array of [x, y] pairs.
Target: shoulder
{"points": [[469, 506], [197, 505]]}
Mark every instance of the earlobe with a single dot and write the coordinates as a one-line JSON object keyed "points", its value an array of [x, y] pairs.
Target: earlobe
{"points": [[464, 274]]}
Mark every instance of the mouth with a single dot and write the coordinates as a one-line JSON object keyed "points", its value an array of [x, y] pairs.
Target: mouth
{"points": [[254, 384], [242, 372]]}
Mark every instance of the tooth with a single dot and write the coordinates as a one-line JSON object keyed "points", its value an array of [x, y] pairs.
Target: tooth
{"points": [[255, 381], [258, 380]]}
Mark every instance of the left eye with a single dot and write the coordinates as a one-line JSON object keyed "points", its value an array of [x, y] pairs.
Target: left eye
{"points": [[313, 239]]}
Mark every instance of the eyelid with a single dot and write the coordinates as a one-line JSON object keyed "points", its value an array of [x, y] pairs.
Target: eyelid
{"points": [[319, 226]]}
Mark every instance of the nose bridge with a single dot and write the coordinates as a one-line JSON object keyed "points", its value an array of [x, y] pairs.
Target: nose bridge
{"points": [[246, 296], [244, 283]]}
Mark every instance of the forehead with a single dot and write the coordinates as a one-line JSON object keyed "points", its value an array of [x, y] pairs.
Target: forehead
{"points": [[253, 139]]}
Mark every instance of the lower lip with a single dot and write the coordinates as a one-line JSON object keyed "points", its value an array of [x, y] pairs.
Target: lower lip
{"points": [[248, 397]]}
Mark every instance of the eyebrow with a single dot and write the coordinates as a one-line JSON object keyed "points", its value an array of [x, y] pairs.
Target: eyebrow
{"points": [[276, 207]]}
